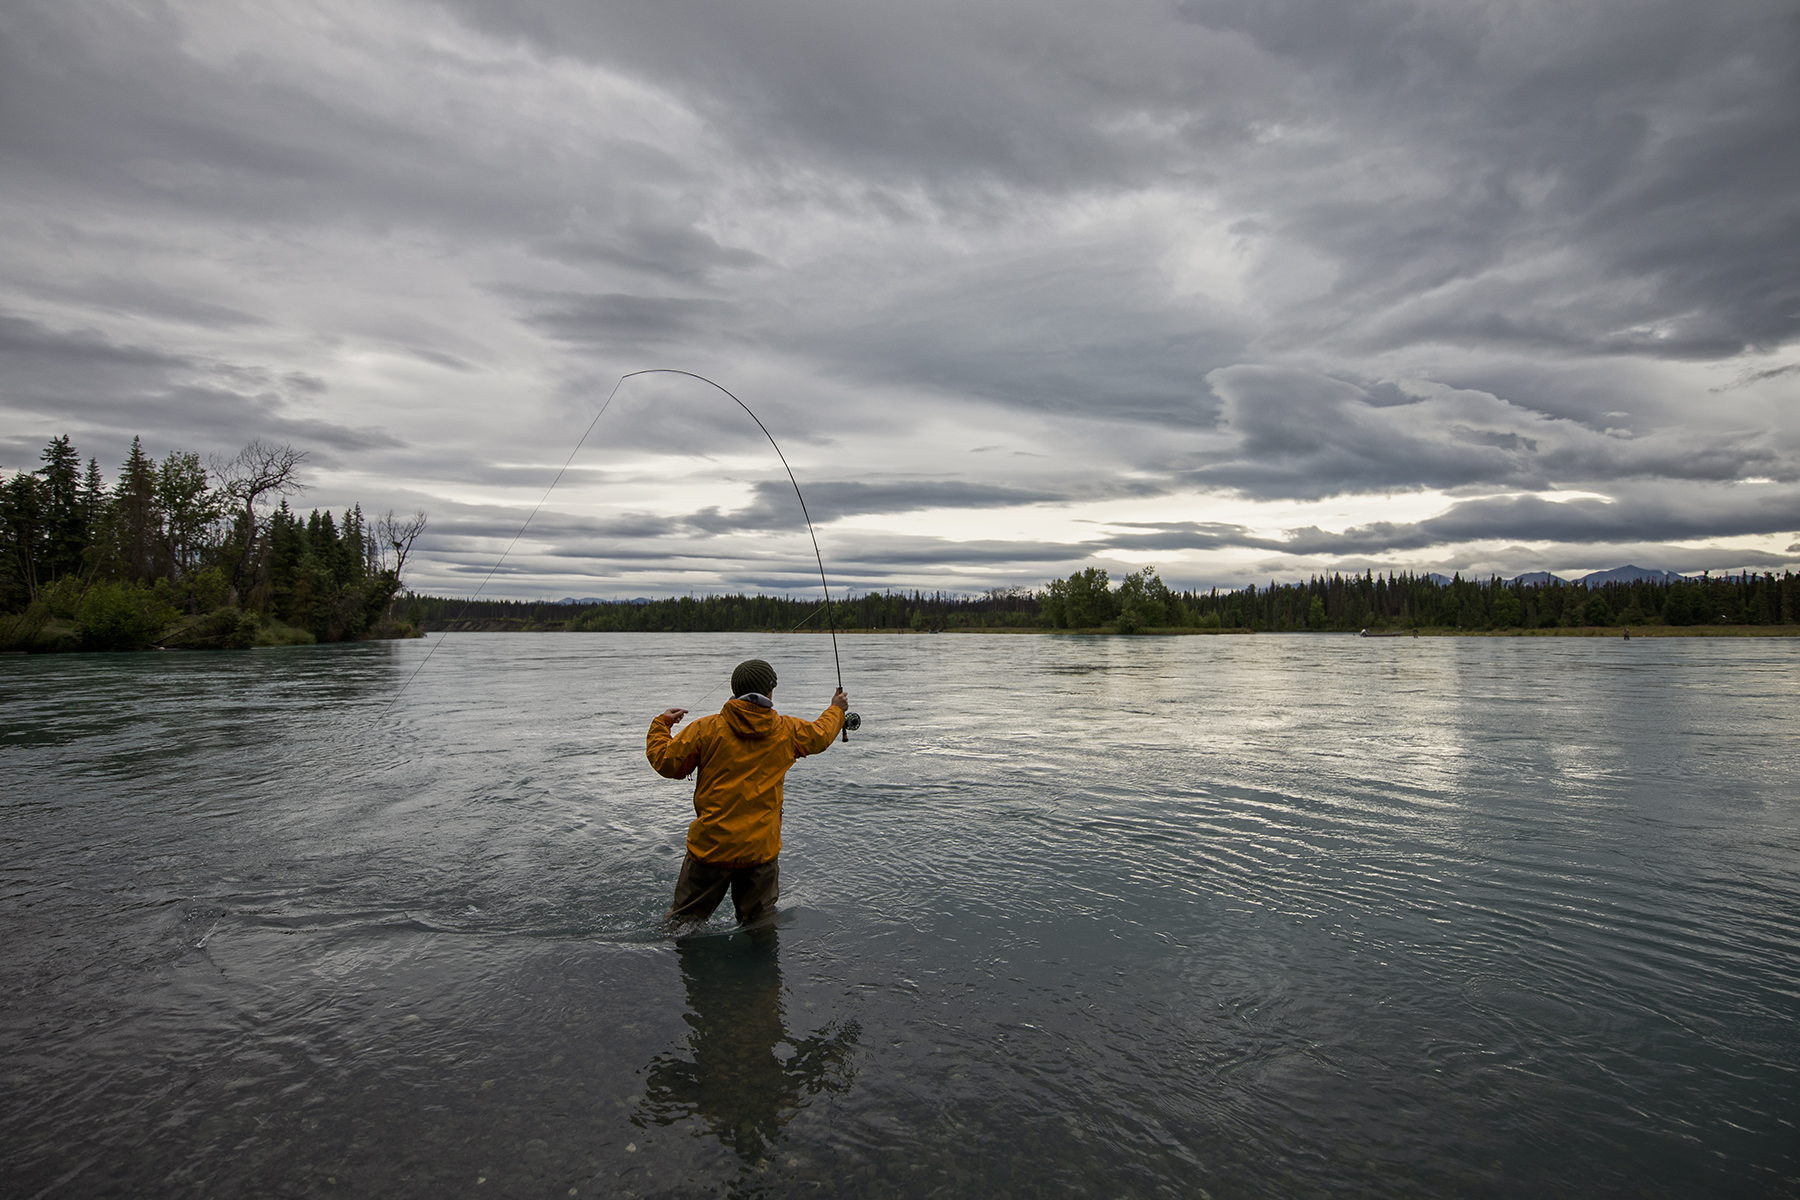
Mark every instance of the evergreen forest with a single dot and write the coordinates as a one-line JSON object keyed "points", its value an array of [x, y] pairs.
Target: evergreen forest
{"points": [[1402, 601], [1141, 602], [182, 553]]}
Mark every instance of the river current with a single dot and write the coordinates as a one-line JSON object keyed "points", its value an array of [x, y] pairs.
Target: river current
{"points": [[1251, 916]]}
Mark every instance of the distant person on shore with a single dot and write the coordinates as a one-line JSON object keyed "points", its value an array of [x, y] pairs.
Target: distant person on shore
{"points": [[742, 753]]}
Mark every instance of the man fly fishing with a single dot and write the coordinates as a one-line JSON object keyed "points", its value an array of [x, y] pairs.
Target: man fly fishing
{"points": [[742, 753]]}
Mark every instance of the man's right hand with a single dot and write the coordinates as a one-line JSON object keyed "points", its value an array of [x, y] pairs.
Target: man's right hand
{"points": [[674, 715], [840, 700]]}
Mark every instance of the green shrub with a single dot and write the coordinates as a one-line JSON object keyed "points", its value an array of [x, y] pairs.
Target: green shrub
{"points": [[277, 633], [62, 599], [1082, 601], [228, 628], [123, 616], [207, 589], [1144, 592], [19, 631]]}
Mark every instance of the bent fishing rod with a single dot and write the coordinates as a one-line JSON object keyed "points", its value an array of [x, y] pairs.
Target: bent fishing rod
{"points": [[852, 720]]}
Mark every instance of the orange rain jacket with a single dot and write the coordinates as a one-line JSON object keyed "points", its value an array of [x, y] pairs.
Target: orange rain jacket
{"points": [[742, 753]]}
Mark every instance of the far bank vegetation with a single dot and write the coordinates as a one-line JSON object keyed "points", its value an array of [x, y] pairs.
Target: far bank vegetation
{"points": [[1088, 602], [1401, 601], [181, 553]]}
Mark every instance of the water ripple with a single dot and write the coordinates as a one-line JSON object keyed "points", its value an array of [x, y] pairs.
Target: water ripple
{"points": [[1230, 916]]}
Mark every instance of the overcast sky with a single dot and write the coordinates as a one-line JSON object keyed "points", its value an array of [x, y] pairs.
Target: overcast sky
{"points": [[1246, 289]]}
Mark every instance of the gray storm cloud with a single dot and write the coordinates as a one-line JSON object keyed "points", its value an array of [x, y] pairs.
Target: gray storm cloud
{"points": [[1019, 263], [1304, 434]]}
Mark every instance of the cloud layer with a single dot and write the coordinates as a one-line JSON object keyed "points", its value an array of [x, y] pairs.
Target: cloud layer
{"points": [[1239, 288]]}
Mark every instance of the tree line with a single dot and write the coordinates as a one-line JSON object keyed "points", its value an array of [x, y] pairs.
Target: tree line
{"points": [[1407, 601], [188, 553], [1402, 600], [737, 612], [1141, 602]]}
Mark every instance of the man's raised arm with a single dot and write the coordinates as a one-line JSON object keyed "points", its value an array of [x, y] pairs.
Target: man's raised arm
{"points": [[673, 757], [810, 739]]}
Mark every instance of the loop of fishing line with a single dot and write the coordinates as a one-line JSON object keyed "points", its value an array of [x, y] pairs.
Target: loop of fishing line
{"points": [[807, 516]]}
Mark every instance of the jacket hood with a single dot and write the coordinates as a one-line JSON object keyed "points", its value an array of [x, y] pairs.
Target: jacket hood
{"points": [[749, 720]]}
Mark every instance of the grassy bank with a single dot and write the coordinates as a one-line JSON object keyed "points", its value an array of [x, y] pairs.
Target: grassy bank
{"points": [[1096, 631], [1636, 631], [224, 629], [1585, 631]]}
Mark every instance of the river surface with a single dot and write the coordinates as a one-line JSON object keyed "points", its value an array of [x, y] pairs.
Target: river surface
{"points": [[1262, 916]]}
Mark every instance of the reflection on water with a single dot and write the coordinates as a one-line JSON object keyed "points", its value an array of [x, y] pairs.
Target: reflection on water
{"points": [[742, 1073]]}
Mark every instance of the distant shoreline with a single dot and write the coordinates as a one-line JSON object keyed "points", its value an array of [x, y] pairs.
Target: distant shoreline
{"points": [[1637, 631], [226, 629], [1087, 603], [1590, 631]]}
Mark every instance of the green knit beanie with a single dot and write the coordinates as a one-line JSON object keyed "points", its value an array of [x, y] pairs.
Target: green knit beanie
{"points": [[753, 676]]}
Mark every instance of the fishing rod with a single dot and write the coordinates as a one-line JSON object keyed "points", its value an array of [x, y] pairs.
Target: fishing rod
{"points": [[852, 721]]}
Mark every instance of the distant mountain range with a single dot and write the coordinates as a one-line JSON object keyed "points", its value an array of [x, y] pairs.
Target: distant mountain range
{"points": [[1628, 574], [1625, 574]]}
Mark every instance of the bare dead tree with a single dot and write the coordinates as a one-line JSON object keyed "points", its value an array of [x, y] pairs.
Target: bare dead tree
{"points": [[399, 534], [251, 482]]}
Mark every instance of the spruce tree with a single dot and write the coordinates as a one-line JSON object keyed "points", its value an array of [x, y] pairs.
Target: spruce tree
{"points": [[93, 493], [139, 529], [64, 514], [97, 512], [188, 509], [287, 547], [317, 588], [322, 541], [22, 527], [350, 566]]}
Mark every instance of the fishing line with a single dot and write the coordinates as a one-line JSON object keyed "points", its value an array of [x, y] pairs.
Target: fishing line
{"points": [[796, 629], [817, 557], [852, 721]]}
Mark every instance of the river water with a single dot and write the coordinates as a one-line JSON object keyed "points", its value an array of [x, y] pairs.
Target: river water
{"points": [[1207, 916]]}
